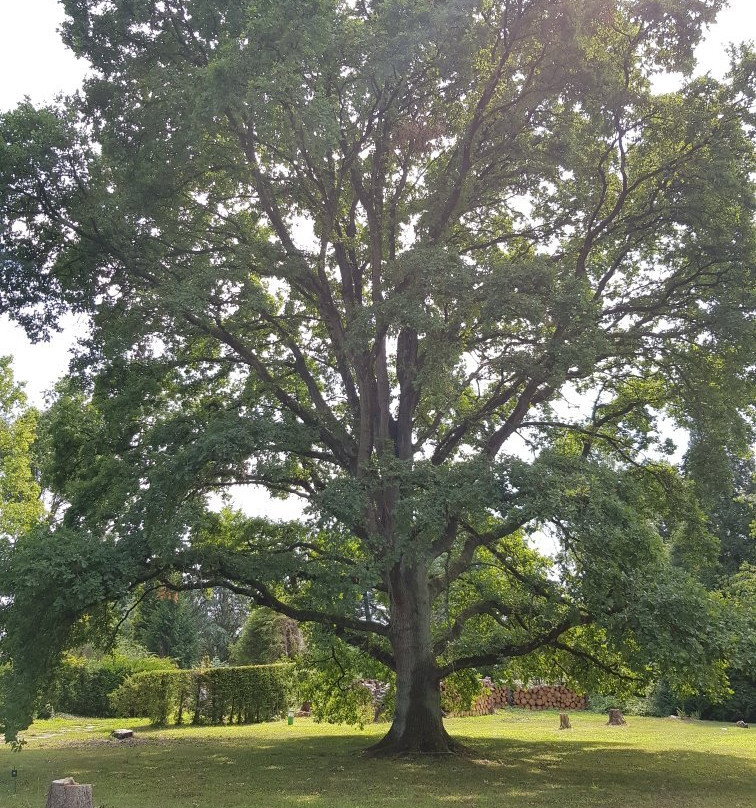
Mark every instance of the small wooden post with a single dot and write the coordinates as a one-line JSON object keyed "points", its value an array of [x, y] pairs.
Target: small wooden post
{"points": [[67, 793], [564, 721], [616, 719]]}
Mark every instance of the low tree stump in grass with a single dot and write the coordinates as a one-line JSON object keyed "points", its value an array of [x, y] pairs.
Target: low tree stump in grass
{"points": [[122, 734], [616, 719], [67, 793], [564, 721]]}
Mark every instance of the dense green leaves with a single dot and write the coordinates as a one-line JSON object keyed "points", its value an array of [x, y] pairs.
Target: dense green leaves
{"points": [[240, 695], [83, 686], [267, 637], [20, 503]]}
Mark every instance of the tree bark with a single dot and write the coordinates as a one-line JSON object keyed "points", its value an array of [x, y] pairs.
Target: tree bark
{"points": [[67, 793], [417, 726]]}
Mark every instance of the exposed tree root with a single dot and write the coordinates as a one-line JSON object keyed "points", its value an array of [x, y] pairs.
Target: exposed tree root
{"points": [[410, 745]]}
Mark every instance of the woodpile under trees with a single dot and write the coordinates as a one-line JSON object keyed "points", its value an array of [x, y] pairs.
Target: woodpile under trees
{"points": [[539, 697], [548, 697]]}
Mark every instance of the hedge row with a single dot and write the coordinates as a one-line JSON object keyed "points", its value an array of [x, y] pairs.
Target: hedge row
{"points": [[243, 695]]}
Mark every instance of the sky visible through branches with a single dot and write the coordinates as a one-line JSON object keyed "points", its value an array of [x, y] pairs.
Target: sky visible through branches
{"points": [[35, 63]]}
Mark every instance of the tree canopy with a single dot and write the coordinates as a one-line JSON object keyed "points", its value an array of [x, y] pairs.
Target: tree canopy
{"points": [[439, 269]]}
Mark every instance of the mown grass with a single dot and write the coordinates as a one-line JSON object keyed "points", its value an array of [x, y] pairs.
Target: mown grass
{"points": [[517, 759]]}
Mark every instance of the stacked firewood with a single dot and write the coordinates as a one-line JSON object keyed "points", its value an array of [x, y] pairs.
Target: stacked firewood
{"points": [[539, 697], [545, 697]]}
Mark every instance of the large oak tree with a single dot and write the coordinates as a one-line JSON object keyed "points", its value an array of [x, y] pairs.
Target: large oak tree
{"points": [[367, 254]]}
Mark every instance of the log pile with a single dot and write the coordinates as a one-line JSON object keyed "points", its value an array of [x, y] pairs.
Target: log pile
{"points": [[540, 697], [548, 697]]}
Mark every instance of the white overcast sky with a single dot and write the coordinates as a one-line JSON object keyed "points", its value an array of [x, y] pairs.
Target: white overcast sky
{"points": [[34, 63]]}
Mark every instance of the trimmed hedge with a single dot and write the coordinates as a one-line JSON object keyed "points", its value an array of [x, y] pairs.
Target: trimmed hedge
{"points": [[241, 695]]}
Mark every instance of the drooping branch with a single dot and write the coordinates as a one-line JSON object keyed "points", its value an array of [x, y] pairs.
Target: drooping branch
{"points": [[494, 657], [454, 632], [262, 595], [595, 661], [367, 645]]}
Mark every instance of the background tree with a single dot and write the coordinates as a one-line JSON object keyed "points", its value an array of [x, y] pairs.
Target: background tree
{"points": [[267, 637], [366, 254], [220, 616], [20, 495], [724, 474], [165, 624], [725, 483]]}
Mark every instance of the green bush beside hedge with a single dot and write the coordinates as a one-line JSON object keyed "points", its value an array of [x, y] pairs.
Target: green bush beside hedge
{"points": [[242, 695], [83, 686]]}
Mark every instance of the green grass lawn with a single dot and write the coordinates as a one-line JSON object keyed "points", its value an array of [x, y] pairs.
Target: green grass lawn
{"points": [[518, 759]]}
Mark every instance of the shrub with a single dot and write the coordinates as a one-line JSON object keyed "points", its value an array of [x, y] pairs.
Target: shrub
{"points": [[240, 695], [83, 686], [151, 694], [4, 670], [602, 703], [740, 706], [459, 691], [660, 700]]}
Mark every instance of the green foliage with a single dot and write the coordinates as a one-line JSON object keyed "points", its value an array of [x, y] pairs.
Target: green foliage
{"points": [[154, 695], [166, 624], [219, 616], [84, 686], [460, 691], [266, 637], [733, 698], [20, 501], [602, 703], [357, 253], [331, 676], [4, 674], [239, 695], [338, 701]]}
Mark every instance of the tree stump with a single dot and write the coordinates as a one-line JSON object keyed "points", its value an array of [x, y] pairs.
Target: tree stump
{"points": [[564, 721], [122, 734], [67, 793], [616, 719]]}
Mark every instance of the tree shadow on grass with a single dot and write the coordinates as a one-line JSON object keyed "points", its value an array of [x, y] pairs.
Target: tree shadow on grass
{"points": [[192, 769]]}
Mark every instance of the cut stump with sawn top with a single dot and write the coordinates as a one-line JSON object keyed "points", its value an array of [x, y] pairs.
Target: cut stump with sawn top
{"points": [[616, 719], [67, 793], [122, 734]]}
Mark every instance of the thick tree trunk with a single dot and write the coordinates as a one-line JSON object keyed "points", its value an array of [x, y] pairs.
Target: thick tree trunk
{"points": [[417, 727]]}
